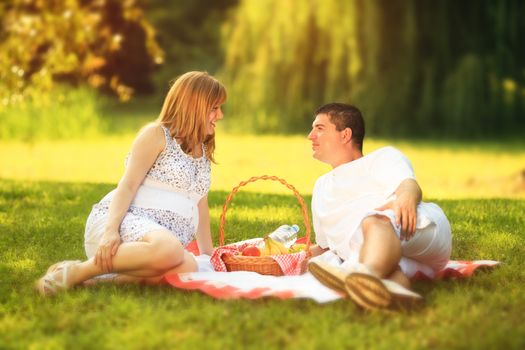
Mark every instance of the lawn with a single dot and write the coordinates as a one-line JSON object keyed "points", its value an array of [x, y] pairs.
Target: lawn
{"points": [[47, 189], [42, 222]]}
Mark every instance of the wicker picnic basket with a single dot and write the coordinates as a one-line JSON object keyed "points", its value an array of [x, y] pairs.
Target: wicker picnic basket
{"points": [[264, 265]]}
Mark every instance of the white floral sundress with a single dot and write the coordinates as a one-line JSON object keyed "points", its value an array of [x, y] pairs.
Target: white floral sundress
{"points": [[167, 199]]}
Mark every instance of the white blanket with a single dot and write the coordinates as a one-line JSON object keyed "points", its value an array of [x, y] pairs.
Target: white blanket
{"points": [[244, 284], [251, 285]]}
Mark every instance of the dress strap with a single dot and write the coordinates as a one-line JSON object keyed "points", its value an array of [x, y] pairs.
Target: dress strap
{"points": [[167, 134], [170, 140]]}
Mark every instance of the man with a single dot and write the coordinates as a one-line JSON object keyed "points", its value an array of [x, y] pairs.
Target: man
{"points": [[367, 212]]}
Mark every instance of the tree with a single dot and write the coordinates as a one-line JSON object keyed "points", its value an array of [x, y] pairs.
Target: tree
{"points": [[189, 32], [449, 67], [106, 43]]}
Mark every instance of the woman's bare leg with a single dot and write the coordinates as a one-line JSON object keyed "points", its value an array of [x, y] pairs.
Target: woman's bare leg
{"points": [[157, 252], [188, 265]]}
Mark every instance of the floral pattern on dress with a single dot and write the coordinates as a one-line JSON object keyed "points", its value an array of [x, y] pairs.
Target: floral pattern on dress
{"points": [[139, 221], [176, 169], [181, 171]]}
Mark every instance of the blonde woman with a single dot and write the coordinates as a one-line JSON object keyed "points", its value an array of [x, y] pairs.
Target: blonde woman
{"points": [[140, 229]]}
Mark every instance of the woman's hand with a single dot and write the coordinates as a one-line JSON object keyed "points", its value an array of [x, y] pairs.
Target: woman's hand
{"points": [[203, 234], [106, 250], [146, 148]]}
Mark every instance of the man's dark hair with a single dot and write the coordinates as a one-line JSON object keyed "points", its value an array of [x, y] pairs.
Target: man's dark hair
{"points": [[346, 116]]}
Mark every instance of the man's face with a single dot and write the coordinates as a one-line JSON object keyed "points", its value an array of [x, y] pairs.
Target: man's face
{"points": [[326, 140]]}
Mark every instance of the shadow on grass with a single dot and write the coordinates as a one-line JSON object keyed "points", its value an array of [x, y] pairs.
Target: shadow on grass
{"points": [[43, 222], [38, 213]]}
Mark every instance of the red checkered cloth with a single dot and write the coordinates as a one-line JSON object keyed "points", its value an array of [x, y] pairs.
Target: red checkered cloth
{"points": [[456, 269], [290, 264]]}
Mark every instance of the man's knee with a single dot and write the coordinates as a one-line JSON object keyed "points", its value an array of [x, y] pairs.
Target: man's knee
{"points": [[382, 248], [378, 230], [375, 223]]}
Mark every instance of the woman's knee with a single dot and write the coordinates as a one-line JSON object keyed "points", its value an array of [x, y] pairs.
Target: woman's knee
{"points": [[188, 265], [167, 251]]}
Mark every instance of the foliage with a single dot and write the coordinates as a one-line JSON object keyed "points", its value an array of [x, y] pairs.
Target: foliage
{"points": [[106, 43], [189, 33], [450, 67], [43, 222], [80, 113], [61, 113]]}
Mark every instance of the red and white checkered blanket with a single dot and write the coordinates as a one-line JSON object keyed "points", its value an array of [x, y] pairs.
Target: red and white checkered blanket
{"points": [[251, 285]]}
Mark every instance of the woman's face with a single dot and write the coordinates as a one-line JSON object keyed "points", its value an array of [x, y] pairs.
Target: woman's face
{"points": [[214, 116]]}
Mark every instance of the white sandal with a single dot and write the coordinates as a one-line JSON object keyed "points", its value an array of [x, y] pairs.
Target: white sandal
{"points": [[59, 265], [51, 284]]}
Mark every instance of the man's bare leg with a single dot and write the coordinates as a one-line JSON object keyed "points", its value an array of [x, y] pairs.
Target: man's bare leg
{"points": [[400, 278], [381, 251], [384, 285]]}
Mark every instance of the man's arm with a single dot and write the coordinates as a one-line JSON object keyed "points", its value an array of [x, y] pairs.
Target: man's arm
{"points": [[315, 250], [408, 196]]}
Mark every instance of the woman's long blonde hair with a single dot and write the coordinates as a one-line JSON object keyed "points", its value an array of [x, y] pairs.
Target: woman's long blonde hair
{"points": [[186, 109]]}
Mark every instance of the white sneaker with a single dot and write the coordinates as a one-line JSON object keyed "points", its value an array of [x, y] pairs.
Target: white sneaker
{"points": [[367, 291], [371, 292], [331, 276]]}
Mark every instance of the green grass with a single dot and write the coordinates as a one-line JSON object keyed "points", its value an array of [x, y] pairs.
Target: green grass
{"points": [[62, 113], [42, 222], [50, 177]]}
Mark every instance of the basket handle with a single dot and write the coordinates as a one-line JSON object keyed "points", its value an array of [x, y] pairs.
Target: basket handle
{"points": [[304, 210]]}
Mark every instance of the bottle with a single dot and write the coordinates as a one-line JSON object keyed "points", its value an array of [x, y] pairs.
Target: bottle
{"points": [[285, 234]]}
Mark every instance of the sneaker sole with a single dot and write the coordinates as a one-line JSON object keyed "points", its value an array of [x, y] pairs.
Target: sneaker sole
{"points": [[406, 303], [368, 291], [327, 278]]}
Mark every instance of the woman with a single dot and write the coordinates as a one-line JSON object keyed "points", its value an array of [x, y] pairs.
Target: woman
{"points": [[140, 229]]}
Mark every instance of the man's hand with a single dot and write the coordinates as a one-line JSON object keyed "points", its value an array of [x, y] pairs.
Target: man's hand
{"points": [[408, 196], [106, 250], [315, 250], [406, 215]]}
